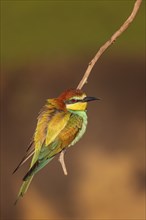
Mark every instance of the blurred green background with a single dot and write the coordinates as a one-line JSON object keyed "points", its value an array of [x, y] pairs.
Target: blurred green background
{"points": [[45, 49]]}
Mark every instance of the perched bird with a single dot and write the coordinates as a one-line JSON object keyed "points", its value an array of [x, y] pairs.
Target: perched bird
{"points": [[61, 123]]}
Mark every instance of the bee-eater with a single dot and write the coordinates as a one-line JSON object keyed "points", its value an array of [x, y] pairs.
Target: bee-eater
{"points": [[61, 123]]}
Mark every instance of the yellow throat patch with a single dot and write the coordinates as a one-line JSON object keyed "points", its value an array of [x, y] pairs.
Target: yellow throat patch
{"points": [[79, 106]]}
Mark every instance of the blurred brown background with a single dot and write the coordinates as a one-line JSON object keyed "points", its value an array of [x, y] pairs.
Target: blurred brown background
{"points": [[46, 46]]}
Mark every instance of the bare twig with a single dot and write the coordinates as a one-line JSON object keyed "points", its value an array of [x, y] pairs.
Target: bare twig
{"points": [[61, 160], [109, 42], [97, 56]]}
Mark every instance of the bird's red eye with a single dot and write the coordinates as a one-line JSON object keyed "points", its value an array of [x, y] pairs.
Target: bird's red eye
{"points": [[73, 100]]}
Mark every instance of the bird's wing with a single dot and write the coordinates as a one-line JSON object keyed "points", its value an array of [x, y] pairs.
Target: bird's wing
{"points": [[50, 122], [47, 131], [29, 154], [65, 137]]}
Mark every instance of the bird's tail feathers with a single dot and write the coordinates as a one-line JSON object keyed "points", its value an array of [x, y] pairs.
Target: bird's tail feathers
{"points": [[24, 188], [25, 158], [36, 167]]}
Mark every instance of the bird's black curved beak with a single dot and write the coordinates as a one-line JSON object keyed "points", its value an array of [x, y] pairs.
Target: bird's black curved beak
{"points": [[88, 99]]}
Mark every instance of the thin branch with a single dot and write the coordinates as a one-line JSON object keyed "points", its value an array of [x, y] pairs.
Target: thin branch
{"points": [[109, 42], [98, 55], [61, 160]]}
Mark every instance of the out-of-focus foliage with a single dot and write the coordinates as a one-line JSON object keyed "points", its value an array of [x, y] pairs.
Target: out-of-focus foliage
{"points": [[32, 29], [46, 46]]}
